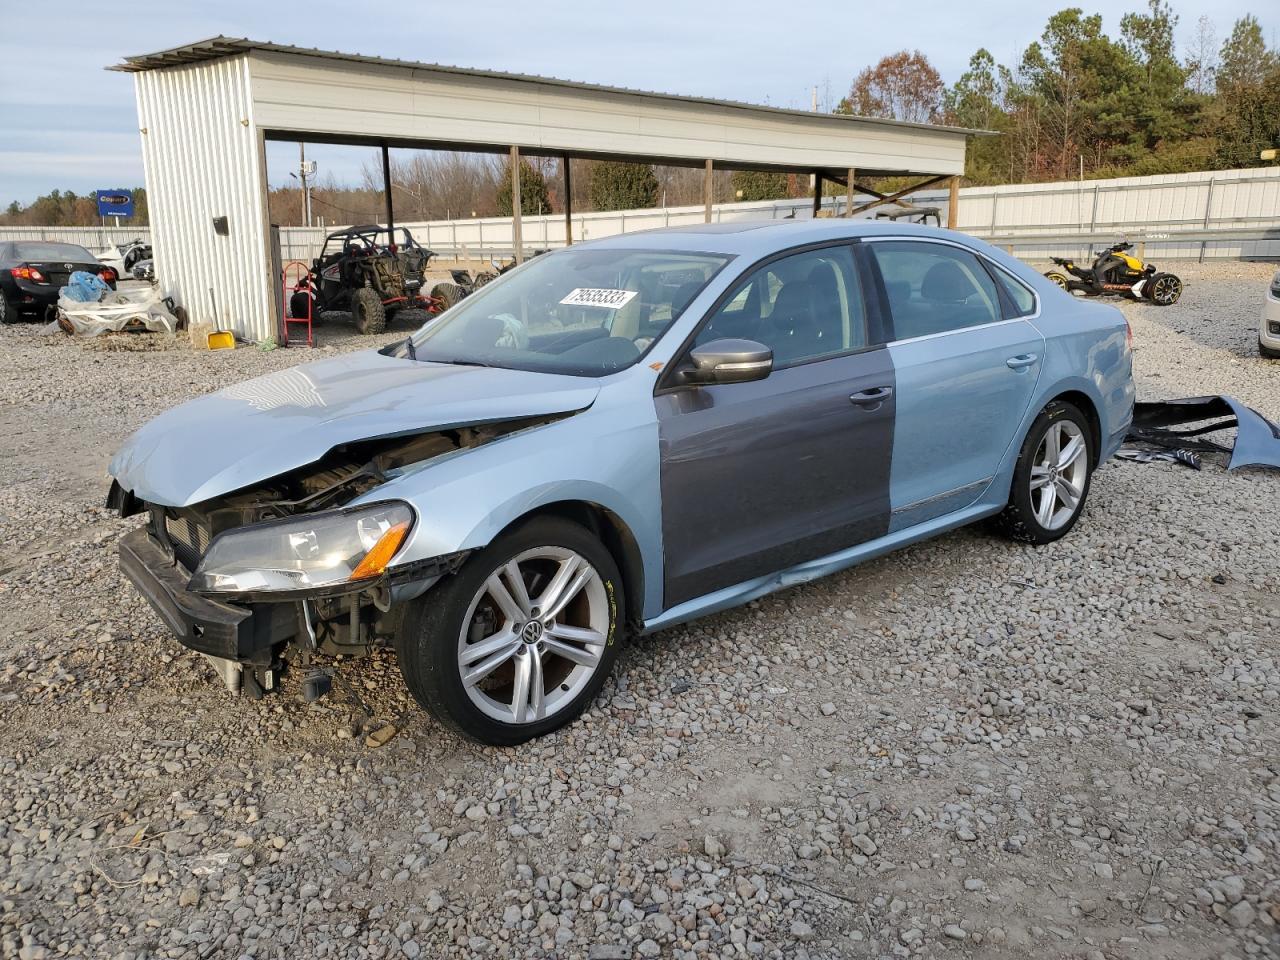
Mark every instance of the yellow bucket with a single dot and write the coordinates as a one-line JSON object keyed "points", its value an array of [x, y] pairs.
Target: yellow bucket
{"points": [[222, 340]]}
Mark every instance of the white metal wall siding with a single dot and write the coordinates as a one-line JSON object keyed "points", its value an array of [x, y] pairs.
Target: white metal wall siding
{"points": [[306, 94], [201, 157]]}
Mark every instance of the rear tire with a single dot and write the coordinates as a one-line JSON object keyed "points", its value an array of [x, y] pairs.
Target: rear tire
{"points": [[1165, 289], [481, 604], [7, 313], [1052, 476], [367, 311], [448, 293]]}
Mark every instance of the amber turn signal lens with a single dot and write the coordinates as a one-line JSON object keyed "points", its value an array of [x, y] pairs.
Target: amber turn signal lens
{"points": [[376, 560]]}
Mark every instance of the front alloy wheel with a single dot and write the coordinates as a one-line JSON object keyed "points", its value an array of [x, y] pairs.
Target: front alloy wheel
{"points": [[534, 635], [519, 641], [1166, 289]]}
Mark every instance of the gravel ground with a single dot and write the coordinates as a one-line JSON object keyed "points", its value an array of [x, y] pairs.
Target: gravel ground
{"points": [[968, 748]]}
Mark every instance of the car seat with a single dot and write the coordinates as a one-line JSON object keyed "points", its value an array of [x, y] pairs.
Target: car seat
{"points": [[807, 316], [950, 294]]}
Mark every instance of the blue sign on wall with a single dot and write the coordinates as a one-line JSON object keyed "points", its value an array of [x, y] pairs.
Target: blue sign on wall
{"points": [[115, 203]]}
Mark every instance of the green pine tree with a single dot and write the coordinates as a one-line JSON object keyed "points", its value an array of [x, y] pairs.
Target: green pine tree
{"points": [[623, 186], [533, 191]]}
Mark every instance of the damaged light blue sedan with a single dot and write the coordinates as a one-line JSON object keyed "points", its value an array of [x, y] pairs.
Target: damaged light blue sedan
{"points": [[614, 438]]}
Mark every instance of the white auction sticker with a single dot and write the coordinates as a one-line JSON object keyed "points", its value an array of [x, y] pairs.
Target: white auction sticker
{"points": [[599, 297]]}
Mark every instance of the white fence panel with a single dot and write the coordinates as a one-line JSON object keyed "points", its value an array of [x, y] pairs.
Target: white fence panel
{"points": [[1220, 214]]}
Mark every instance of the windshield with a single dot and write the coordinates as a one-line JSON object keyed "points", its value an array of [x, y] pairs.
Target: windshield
{"points": [[581, 311], [54, 251]]}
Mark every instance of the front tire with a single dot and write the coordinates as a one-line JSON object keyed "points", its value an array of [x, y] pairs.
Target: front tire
{"points": [[1268, 352], [1052, 476], [1165, 289], [520, 640], [367, 311]]}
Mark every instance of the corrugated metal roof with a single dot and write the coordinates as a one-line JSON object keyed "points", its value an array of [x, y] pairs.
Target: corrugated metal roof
{"points": [[220, 46]]}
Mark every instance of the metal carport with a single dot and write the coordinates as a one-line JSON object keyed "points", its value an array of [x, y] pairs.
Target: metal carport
{"points": [[206, 110]]}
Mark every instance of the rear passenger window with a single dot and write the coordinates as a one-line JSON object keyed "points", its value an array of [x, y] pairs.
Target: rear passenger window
{"points": [[934, 288], [803, 307], [1023, 300]]}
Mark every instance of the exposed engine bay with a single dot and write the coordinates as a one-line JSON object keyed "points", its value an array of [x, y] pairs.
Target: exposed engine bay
{"points": [[344, 622]]}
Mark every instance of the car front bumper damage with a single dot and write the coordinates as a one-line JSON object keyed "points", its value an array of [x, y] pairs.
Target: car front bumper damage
{"points": [[233, 636]]}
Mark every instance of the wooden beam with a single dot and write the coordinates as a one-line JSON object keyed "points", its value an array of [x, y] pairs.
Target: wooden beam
{"points": [[516, 239], [953, 205], [848, 189], [891, 197], [568, 203], [817, 193], [386, 190], [708, 191]]}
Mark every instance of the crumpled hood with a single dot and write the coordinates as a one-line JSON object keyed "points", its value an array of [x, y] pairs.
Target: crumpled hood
{"points": [[258, 429]]}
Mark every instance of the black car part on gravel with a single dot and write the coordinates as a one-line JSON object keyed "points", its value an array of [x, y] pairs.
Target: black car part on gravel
{"points": [[1257, 440]]}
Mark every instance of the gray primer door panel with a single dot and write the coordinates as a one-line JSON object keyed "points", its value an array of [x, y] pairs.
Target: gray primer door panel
{"points": [[757, 477]]}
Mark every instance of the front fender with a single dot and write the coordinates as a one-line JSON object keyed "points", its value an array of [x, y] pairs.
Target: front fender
{"points": [[466, 499]]}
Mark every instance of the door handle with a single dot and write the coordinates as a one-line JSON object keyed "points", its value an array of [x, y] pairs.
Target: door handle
{"points": [[1022, 361], [871, 397]]}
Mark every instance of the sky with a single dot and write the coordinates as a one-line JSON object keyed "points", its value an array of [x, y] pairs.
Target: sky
{"points": [[66, 123]]}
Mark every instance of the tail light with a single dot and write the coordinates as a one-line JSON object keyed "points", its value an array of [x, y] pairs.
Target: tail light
{"points": [[107, 275], [28, 273], [1128, 334]]}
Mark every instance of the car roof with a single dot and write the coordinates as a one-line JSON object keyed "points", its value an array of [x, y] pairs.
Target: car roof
{"points": [[762, 237]]}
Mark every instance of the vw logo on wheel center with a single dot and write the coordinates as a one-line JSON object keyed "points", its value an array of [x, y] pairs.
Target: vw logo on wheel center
{"points": [[532, 632]]}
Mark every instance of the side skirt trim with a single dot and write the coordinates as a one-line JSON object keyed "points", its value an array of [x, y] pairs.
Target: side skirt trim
{"points": [[977, 486], [813, 569]]}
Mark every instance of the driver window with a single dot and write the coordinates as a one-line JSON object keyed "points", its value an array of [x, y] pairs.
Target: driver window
{"points": [[803, 307]]}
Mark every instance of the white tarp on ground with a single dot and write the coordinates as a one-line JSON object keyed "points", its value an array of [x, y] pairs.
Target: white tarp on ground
{"points": [[114, 312]]}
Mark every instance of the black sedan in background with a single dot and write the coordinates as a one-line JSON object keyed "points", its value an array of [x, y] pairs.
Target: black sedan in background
{"points": [[33, 271]]}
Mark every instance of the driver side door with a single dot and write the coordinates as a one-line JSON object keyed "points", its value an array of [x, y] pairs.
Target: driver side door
{"points": [[759, 476]]}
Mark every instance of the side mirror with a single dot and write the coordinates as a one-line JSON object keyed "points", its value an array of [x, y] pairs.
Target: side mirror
{"points": [[729, 361]]}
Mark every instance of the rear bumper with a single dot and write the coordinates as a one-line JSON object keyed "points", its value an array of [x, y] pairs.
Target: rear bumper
{"points": [[32, 298], [225, 630]]}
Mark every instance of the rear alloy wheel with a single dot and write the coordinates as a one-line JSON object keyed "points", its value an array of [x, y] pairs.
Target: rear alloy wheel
{"points": [[519, 641], [1059, 278], [1165, 289], [1051, 479], [367, 311]]}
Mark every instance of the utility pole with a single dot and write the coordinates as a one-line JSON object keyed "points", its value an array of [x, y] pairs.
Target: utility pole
{"points": [[305, 172]]}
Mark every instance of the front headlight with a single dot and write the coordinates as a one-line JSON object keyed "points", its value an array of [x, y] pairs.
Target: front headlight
{"points": [[312, 552]]}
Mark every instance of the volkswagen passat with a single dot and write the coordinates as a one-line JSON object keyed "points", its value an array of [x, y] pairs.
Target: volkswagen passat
{"points": [[613, 438]]}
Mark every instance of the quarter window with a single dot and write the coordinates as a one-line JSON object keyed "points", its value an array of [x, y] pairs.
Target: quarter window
{"points": [[1023, 300], [803, 307], [934, 288]]}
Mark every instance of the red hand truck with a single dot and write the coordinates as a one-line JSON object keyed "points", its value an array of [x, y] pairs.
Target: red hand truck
{"points": [[296, 277]]}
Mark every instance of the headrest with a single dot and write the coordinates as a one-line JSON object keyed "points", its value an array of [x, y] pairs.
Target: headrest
{"points": [[947, 282]]}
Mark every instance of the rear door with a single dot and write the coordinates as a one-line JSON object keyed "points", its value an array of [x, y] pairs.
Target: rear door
{"points": [[760, 476], [966, 368]]}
